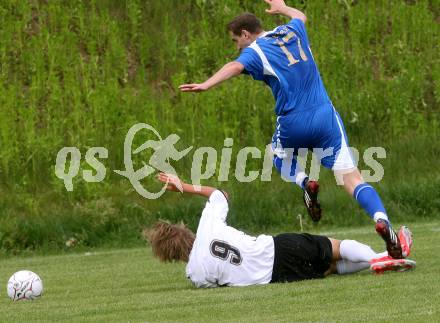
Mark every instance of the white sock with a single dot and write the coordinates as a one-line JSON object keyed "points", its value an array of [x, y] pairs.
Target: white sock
{"points": [[348, 267], [380, 215], [355, 251]]}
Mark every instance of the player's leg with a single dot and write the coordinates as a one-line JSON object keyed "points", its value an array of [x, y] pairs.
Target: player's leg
{"points": [[363, 193], [350, 178], [350, 256], [291, 171], [369, 200], [356, 251], [344, 166], [346, 172], [285, 153], [285, 161]]}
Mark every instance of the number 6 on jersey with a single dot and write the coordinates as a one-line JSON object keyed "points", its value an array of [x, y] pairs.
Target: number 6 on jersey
{"points": [[222, 250]]}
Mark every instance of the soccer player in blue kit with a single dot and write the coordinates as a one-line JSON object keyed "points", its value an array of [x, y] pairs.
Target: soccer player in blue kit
{"points": [[306, 117]]}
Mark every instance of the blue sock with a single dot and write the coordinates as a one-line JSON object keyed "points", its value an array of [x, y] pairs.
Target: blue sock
{"points": [[370, 201]]}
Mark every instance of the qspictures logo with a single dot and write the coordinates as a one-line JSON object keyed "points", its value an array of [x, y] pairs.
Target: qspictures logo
{"points": [[204, 162]]}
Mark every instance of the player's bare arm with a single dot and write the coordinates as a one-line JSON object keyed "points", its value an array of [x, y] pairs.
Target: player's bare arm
{"points": [[228, 71], [174, 182], [279, 7]]}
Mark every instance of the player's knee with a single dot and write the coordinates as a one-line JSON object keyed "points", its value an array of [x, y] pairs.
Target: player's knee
{"points": [[349, 178], [336, 254]]}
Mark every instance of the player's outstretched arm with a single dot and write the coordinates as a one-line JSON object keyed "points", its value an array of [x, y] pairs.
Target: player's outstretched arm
{"points": [[228, 71], [279, 7], [174, 183]]}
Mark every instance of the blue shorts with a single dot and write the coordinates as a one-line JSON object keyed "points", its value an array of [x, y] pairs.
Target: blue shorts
{"points": [[319, 129]]}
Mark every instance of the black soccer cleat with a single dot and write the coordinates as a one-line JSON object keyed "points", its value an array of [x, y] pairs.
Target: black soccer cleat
{"points": [[310, 197], [384, 229]]}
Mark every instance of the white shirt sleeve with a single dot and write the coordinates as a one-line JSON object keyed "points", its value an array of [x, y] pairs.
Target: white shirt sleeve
{"points": [[217, 206]]}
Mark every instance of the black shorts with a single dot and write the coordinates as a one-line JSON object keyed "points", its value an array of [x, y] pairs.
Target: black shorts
{"points": [[300, 256]]}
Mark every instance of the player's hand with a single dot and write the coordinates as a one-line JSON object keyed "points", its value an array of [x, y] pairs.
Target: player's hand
{"points": [[193, 87], [276, 6], [174, 183]]}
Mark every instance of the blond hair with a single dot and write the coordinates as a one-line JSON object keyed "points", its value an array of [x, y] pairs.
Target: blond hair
{"points": [[170, 242]]}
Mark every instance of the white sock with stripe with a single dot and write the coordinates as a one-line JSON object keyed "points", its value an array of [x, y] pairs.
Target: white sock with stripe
{"points": [[355, 256], [355, 251]]}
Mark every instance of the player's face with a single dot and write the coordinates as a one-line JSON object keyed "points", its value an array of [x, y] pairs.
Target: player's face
{"points": [[243, 40]]}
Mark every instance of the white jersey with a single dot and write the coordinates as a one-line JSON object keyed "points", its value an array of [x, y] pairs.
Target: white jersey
{"points": [[222, 255]]}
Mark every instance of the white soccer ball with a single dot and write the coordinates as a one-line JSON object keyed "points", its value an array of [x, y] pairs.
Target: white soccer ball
{"points": [[25, 285]]}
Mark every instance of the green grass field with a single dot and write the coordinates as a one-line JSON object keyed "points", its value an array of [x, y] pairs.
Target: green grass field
{"points": [[130, 285]]}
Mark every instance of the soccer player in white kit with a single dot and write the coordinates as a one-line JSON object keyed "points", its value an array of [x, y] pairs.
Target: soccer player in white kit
{"points": [[220, 255]]}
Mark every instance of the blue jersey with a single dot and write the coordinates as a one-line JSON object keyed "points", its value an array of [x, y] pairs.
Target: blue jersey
{"points": [[282, 59]]}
